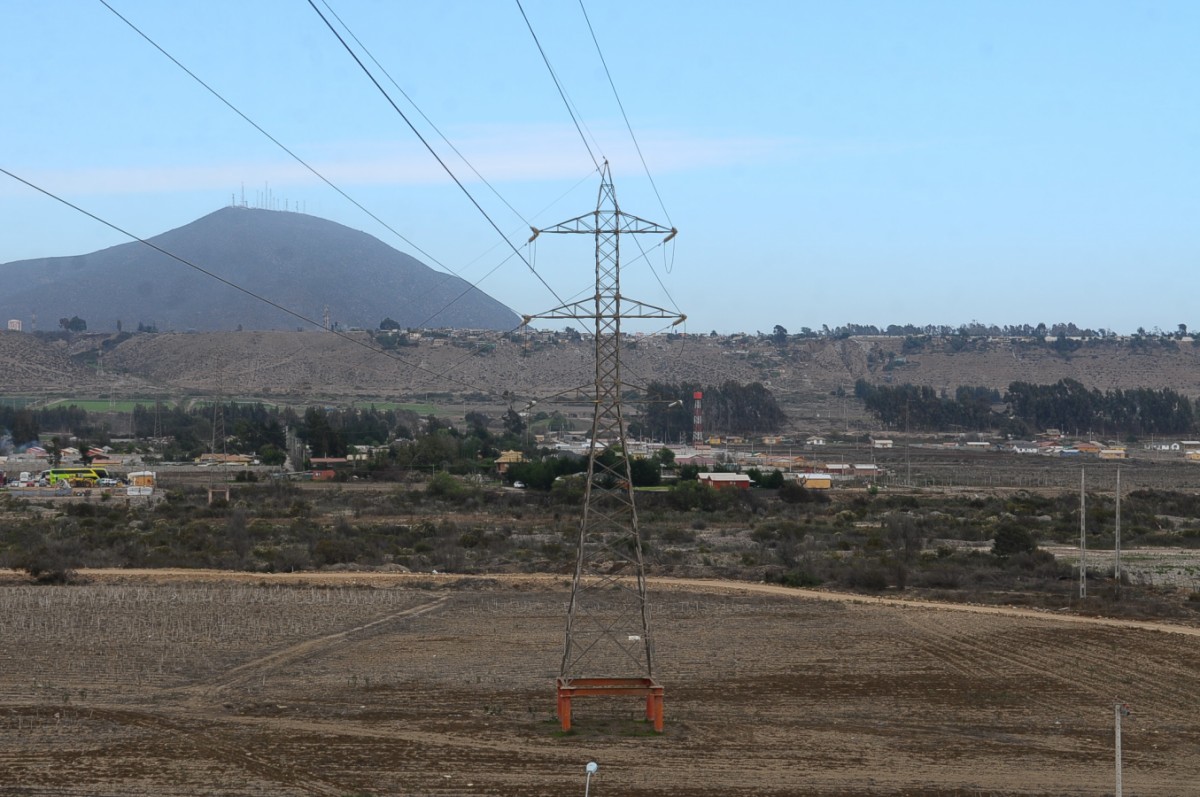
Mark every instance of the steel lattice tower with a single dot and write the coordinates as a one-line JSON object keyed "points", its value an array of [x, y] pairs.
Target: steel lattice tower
{"points": [[608, 646]]}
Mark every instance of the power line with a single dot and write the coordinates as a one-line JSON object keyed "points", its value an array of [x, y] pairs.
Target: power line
{"points": [[306, 319], [427, 146], [417, 108], [625, 116], [412, 300], [561, 92], [276, 141]]}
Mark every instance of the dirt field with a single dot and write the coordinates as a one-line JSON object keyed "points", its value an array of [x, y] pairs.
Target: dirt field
{"points": [[161, 683]]}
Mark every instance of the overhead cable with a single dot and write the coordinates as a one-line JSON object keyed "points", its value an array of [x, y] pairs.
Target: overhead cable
{"points": [[624, 116], [276, 141], [561, 92], [417, 108], [427, 146], [300, 316]]}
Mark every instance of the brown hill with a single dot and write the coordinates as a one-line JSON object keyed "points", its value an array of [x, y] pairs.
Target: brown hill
{"points": [[481, 366]]}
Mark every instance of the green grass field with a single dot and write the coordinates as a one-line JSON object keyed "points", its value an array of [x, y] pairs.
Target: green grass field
{"points": [[419, 409], [103, 405]]}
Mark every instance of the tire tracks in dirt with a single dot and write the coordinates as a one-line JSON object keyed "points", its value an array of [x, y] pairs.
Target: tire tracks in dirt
{"points": [[310, 648], [197, 724], [665, 582], [210, 744]]}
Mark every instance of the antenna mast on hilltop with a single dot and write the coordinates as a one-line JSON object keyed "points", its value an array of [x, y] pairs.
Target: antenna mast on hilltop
{"points": [[608, 620]]}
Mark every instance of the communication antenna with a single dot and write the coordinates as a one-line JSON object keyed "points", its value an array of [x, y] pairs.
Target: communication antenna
{"points": [[698, 418], [326, 317], [608, 619]]}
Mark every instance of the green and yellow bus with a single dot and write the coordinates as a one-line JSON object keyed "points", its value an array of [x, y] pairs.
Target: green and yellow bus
{"points": [[86, 476]]}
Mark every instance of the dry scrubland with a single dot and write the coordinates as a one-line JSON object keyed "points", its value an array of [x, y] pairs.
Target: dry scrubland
{"points": [[176, 683]]}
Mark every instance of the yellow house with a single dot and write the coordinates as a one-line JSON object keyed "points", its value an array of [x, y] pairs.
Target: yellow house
{"points": [[508, 458], [817, 481]]}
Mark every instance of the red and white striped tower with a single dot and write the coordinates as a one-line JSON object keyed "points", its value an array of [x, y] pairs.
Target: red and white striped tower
{"points": [[697, 418]]}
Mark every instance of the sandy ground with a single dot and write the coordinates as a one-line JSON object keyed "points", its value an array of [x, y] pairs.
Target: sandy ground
{"points": [[192, 682]]}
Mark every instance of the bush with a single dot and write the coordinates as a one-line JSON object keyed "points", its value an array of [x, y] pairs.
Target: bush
{"points": [[792, 492], [50, 561], [443, 485], [1012, 538], [868, 578], [796, 578]]}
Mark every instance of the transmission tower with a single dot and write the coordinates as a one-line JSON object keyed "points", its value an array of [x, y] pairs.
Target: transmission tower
{"points": [[608, 648], [218, 428]]}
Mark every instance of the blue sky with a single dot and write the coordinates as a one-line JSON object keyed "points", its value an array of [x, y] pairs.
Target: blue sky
{"points": [[825, 163]]}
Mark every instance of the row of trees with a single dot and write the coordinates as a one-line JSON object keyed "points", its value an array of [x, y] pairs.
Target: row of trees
{"points": [[1066, 405], [921, 408], [730, 408]]}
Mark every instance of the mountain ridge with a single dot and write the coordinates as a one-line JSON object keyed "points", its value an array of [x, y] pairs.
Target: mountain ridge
{"points": [[300, 262]]}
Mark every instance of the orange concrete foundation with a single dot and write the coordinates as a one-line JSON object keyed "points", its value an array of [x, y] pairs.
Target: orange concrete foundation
{"points": [[569, 688]]}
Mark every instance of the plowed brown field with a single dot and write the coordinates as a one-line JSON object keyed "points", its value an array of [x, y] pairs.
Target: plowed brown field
{"points": [[202, 683]]}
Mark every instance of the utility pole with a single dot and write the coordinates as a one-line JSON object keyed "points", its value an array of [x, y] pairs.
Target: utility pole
{"points": [[608, 619], [1117, 546], [1082, 539], [1119, 710]]}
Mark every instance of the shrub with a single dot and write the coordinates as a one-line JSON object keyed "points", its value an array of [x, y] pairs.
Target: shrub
{"points": [[867, 577], [796, 578], [1012, 538], [792, 492], [443, 485]]}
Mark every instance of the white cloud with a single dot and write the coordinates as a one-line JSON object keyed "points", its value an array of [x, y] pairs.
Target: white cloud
{"points": [[501, 153]]}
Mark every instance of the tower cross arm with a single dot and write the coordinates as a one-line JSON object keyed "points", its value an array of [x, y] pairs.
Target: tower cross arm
{"points": [[585, 310], [600, 222]]}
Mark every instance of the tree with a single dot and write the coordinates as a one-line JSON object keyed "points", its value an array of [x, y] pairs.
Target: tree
{"points": [[1012, 538], [779, 334], [477, 424], [388, 323], [24, 427], [905, 539], [645, 472], [271, 455], [324, 440], [514, 424], [54, 449], [73, 324]]}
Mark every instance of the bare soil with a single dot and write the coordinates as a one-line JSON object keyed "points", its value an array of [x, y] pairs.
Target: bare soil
{"points": [[195, 682]]}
